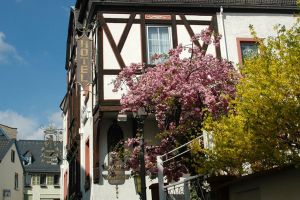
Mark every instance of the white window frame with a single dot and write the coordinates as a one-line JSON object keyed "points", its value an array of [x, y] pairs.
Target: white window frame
{"points": [[147, 39]]}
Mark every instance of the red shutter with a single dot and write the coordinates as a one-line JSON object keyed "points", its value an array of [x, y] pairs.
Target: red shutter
{"points": [[87, 158], [66, 186]]}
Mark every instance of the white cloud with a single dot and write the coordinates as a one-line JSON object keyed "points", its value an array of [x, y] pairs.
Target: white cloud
{"points": [[28, 127], [56, 119], [8, 53]]}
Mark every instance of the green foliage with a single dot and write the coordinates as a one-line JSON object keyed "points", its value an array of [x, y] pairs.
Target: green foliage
{"points": [[262, 129]]}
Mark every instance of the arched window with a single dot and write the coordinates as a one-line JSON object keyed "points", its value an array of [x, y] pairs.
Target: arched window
{"points": [[114, 136]]}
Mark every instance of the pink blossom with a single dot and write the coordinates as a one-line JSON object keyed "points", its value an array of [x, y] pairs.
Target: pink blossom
{"points": [[177, 91]]}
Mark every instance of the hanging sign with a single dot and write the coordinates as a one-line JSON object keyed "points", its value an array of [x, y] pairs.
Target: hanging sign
{"points": [[158, 17], [84, 61], [116, 176]]}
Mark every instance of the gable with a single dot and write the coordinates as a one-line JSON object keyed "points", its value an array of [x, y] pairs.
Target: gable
{"points": [[4, 147]]}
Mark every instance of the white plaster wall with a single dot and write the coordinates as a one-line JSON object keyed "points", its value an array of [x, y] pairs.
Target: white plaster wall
{"points": [[86, 132], [185, 39], [236, 25], [116, 30], [195, 17], [125, 191], [109, 86], [7, 175], [276, 186], [64, 167], [39, 192], [131, 52], [109, 15], [109, 58]]}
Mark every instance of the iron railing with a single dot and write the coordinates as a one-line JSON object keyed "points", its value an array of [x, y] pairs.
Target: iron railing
{"points": [[181, 190], [192, 188]]}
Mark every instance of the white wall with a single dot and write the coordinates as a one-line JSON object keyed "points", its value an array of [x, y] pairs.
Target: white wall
{"points": [[236, 25], [86, 133], [132, 53], [64, 167], [7, 175], [48, 192]]}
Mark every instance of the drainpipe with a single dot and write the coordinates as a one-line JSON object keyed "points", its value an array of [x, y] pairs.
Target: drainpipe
{"points": [[223, 31]]}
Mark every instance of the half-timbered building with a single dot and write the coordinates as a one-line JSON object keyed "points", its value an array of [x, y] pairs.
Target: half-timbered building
{"points": [[106, 35]]}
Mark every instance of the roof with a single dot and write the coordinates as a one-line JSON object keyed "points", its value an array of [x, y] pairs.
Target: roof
{"points": [[200, 3], [4, 147], [34, 148], [87, 8], [228, 180]]}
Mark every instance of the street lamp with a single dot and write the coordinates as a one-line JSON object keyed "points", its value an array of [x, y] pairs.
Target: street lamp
{"points": [[140, 116], [137, 183]]}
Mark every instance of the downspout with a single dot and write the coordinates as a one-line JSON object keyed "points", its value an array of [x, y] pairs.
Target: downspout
{"points": [[223, 31]]}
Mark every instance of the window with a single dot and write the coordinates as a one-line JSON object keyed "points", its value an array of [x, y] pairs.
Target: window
{"points": [[27, 160], [27, 180], [50, 180], [16, 181], [114, 136], [247, 47], [43, 180], [158, 42], [12, 156], [56, 179], [27, 196], [35, 179]]}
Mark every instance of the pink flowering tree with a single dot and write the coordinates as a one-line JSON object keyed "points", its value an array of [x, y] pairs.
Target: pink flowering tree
{"points": [[180, 92]]}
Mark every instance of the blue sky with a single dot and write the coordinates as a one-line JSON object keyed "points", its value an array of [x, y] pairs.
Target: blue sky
{"points": [[32, 58]]}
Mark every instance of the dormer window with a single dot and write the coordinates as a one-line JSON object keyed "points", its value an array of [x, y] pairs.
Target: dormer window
{"points": [[27, 158], [54, 160], [27, 161]]}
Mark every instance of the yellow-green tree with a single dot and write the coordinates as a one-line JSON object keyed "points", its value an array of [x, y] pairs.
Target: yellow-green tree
{"points": [[262, 129]]}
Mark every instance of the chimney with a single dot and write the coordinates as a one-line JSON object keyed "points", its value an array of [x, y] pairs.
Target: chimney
{"points": [[9, 131]]}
